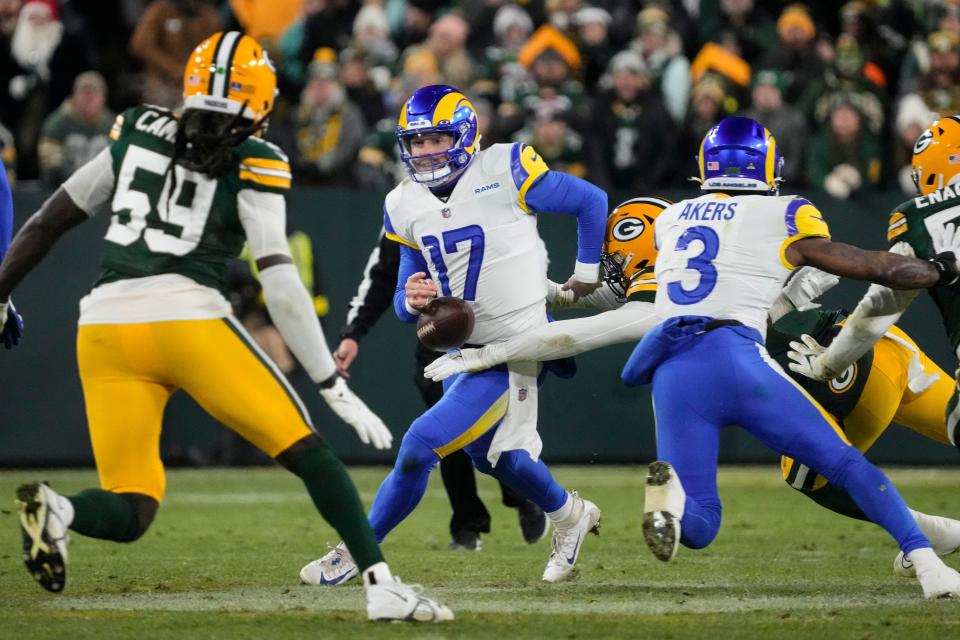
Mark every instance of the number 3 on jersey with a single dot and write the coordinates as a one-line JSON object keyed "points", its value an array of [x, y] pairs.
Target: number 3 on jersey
{"points": [[174, 224], [451, 244], [702, 263]]}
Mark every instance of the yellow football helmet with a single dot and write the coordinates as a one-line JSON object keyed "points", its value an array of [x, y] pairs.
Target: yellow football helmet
{"points": [[629, 253], [230, 73], [936, 155]]}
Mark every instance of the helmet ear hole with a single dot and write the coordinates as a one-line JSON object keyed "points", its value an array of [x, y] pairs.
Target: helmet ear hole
{"points": [[931, 179]]}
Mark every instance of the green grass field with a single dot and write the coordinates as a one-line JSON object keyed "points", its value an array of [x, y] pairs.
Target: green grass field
{"points": [[222, 558]]}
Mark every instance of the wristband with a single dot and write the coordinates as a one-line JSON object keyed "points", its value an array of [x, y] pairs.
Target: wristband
{"points": [[946, 265], [329, 382]]}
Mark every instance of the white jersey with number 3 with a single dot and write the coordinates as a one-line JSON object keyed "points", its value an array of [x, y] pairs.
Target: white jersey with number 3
{"points": [[482, 244], [725, 256]]}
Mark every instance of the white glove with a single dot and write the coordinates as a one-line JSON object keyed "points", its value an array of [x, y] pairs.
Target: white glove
{"points": [[807, 285], [459, 361], [807, 361], [351, 409]]}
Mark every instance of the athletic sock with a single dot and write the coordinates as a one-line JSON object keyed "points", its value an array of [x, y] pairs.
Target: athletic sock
{"points": [[924, 559], [561, 515], [336, 498], [104, 515]]}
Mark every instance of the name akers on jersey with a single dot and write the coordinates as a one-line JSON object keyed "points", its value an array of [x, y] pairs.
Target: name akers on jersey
{"points": [[948, 192], [707, 211]]}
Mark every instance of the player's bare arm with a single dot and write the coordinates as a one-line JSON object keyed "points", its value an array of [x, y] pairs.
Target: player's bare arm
{"points": [[33, 242], [881, 267]]}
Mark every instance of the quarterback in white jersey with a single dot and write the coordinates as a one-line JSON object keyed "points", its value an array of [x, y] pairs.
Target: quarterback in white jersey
{"points": [[467, 218]]}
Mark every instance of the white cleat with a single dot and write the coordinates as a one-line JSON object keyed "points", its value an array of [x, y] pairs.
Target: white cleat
{"points": [[44, 534], [396, 601], [941, 582], [903, 567], [567, 540], [337, 567], [662, 510]]}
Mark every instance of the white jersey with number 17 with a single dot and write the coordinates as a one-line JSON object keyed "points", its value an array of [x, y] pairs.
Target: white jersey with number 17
{"points": [[481, 244]]}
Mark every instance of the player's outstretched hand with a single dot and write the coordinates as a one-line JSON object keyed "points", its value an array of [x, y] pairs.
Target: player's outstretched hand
{"points": [[457, 361], [806, 358], [351, 409], [420, 290], [11, 325], [946, 244], [580, 289], [808, 284]]}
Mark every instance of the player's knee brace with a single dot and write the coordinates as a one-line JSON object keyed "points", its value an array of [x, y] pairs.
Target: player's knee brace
{"points": [[144, 510]]}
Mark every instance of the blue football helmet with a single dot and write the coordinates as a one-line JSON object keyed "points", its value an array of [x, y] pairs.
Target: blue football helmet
{"points": [[438, 108], [739, 154]]}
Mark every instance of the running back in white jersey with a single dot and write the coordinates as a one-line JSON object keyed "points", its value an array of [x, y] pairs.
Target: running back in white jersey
{"points": [[482, 244], [725, 256]]}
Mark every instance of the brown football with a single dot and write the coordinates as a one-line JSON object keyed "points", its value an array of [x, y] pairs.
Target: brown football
{"points": [[445, 323]]}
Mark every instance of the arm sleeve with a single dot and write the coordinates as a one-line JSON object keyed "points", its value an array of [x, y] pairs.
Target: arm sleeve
{"points": [[567, 338], [411, 262], [557, 192], [91, 185], [264, 219], [879, 310], [6, 214], [375, 293], [292, 311]]}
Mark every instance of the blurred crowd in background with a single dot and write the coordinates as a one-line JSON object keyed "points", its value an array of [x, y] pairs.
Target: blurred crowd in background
{"points": [[617, 91]]}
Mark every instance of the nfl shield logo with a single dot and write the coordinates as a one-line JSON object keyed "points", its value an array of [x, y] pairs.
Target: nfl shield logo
{"points": [[522, 394], [445, 212]]}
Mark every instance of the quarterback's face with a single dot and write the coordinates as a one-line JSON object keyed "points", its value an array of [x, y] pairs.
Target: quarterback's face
{"points": [[432, 147]]}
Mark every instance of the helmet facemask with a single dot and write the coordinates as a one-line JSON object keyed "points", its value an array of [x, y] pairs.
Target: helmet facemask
{"points": [[434, 169]]}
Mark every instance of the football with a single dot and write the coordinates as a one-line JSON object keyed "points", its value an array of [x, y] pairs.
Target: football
{"points": [[445, 323]]}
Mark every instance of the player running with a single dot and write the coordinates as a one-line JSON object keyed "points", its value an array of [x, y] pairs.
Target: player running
{"points": [[922, 226], [185, 191], [723, 259], [11, 324], [465, 216]]}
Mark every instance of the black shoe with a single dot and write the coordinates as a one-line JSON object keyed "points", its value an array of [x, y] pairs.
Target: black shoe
{"points": [[533, 522], [466, 541]]}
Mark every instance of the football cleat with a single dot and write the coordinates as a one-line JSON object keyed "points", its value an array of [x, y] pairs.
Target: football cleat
{"points": [[568, 539], [942, 582], [396, 601], [903, 567], [44, 535], [337, 567], [466, 541], [534, 523], [662, 510]]}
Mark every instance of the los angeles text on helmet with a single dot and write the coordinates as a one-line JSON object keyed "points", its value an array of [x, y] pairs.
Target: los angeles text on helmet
{"points": [[949, 191]]}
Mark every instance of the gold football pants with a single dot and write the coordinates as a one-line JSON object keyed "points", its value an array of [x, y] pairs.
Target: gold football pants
{"points": [[886, 398], [129, 371]]}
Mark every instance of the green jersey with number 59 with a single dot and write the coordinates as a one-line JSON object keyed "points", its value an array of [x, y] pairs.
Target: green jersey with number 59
{"points": [[913, 222], [170, 220]]}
